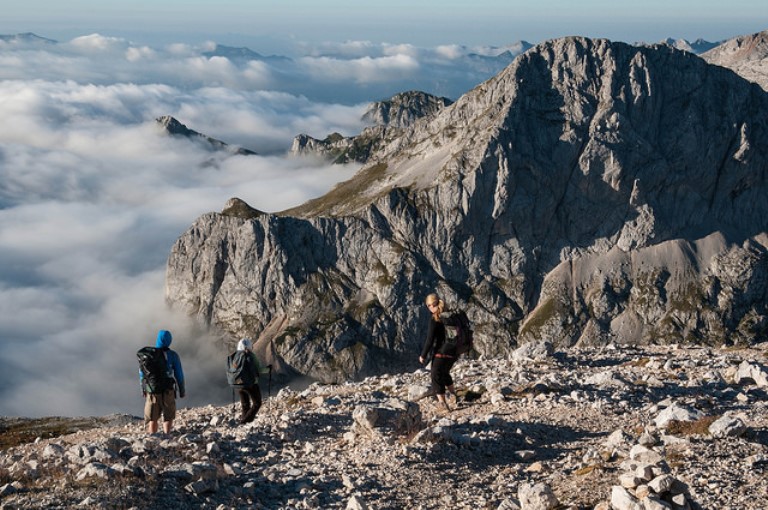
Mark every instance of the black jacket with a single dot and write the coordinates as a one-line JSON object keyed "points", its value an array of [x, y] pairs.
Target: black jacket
{"points": [[436, 334]]}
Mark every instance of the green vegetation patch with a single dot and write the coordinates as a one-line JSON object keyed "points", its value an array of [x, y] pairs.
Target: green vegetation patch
{"points": [[540, 316], [240, 209], [698, 427], [347, 195], [16, 431]]}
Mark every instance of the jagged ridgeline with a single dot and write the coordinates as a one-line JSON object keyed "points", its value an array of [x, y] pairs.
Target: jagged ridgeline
{"points": [[389, 118], [591, 192]]}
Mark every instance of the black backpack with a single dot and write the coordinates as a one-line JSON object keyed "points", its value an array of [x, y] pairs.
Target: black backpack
{"points": [[460, 342], [240, 369], [155, 368]]}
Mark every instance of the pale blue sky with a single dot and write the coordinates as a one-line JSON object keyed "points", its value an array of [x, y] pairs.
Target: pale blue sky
{"points": [[419, 22]]}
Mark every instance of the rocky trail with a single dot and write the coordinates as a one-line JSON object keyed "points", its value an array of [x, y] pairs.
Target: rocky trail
{"points": [[617, 427]]}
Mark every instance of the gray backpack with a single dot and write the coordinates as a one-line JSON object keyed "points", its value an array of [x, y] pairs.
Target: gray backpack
{"points": [[240, 371]]}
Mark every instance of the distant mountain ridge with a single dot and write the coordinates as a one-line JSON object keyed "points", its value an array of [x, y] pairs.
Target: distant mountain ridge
{"points": [[175, 128], [591, 192], [242, 53], [27, 38], [696, 47], [453, 69]]}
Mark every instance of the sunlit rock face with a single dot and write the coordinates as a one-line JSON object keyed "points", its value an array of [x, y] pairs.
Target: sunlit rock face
{"points": [[746, 55], [592, 192]]}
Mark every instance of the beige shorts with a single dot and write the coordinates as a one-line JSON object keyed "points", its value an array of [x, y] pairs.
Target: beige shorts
{"points": [[160, 403]]}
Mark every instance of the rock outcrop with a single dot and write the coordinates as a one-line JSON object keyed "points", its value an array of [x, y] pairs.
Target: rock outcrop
{"points": [[402, 110], [386, 118], [591, 192], [746, 55]]}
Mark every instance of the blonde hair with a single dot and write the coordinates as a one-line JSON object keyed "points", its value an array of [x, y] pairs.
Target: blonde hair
{"points": [[434, 299]]}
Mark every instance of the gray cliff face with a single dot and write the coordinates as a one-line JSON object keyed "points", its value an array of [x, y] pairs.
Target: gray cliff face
{"points": [[341, 149], [591, 192], [404, 109]]}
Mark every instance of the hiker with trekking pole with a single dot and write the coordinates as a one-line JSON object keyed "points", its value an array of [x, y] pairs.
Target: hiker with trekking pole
{"points": [[243, 372]]}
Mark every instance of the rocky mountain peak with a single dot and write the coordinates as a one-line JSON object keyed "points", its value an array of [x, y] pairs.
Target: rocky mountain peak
{"points": [[387, 119], [239, 209], [175, 128], [748, 47], [697, 47], [746, 55], [403, 109], [591, 192]]}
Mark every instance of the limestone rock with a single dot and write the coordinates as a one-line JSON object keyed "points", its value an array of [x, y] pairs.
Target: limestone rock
{"points": [[751, 373], [727, 426], [387, 119], [677, 413], [591, 192], [746, 55], [537, 496]]}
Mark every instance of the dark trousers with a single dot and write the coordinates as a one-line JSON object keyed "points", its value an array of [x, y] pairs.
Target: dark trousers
{"points": [[250, 401], [441, 374]]}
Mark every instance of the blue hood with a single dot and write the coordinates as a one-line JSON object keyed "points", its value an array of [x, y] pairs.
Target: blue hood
{"points": [[163, 339]]}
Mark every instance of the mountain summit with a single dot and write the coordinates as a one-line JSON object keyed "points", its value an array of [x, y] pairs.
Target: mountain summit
{"points": [[591, 192], [387, 119], [746, 55]]}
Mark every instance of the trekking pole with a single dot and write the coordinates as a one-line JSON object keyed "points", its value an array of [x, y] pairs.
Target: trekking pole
{"points": [[269, 388]]}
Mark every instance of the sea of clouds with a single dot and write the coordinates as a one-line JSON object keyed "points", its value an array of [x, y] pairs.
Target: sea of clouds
{"points": [[93, 193]]}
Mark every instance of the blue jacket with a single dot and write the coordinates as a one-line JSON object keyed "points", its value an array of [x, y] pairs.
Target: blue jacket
{"points": [[164, 339]]}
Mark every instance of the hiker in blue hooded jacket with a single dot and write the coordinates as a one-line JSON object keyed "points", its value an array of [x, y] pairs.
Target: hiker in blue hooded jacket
{"points": [[163, 402]]}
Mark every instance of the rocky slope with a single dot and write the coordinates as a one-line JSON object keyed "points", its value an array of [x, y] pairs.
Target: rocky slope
{"points": [[619, 428], [746, 55], [591, 192]]}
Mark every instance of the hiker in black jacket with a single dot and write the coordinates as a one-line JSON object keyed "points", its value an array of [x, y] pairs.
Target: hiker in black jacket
{"points": [[250, 395], [442, 360]]}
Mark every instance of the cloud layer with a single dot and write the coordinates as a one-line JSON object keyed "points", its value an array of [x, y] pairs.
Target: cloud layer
{"points": [[93, 194]]}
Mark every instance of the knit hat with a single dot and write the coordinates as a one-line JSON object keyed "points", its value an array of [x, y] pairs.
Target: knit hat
{"points": [[245, 344]]}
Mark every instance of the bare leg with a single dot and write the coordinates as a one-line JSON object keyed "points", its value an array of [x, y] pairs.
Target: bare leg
{"points": [[441, 399], [429, 393], [152, 427], [167, 426]]}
